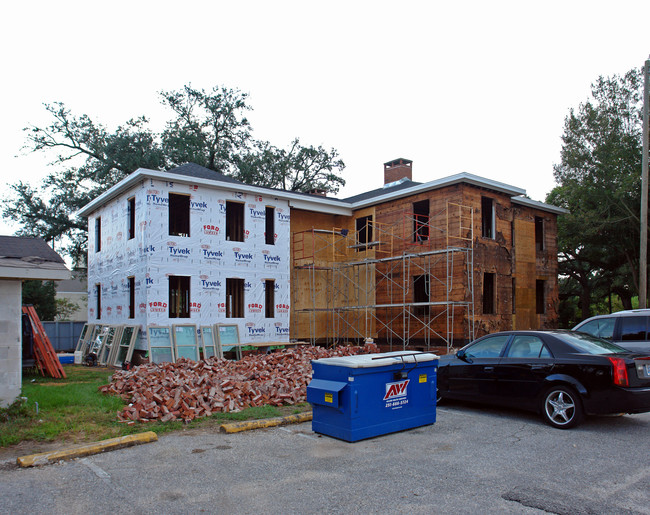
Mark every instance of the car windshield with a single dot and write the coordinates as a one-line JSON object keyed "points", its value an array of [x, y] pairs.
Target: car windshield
{"points": [[590, 344]]}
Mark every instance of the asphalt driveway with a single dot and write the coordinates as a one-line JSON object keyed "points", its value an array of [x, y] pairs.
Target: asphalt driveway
{"points": [[472, 460]]}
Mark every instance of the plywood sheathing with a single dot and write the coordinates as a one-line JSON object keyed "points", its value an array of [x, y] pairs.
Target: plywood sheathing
{"points": [[509, 254]]}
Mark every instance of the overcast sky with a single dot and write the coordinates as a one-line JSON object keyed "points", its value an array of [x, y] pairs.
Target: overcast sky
{"points": [[465, 86]]}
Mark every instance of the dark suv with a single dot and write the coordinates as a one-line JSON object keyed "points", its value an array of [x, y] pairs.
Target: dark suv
{"points": [[629, 329]]}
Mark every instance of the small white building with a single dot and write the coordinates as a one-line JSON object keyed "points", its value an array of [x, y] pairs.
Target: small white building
{"points": [[190, 246], [20, 259]]}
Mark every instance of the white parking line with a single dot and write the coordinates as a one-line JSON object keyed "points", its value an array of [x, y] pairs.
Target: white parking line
{"points": [[100, 473], [287, 430]]}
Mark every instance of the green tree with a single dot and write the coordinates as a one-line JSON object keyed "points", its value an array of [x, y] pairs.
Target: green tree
{"points": [[89, 159], [598, 181], [41, 294], [65, 309], [208, 128], [299, 168]]}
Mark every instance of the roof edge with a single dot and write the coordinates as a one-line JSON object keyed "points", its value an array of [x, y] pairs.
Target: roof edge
{"points": [[324, 203], [525, 201], [458, 178]]}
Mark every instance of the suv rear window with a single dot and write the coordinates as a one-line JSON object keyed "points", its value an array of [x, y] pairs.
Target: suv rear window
{"points": [[633, 328]]}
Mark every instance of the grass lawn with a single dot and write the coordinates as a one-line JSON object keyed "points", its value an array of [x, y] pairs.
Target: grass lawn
{"points": [[73, 411]]}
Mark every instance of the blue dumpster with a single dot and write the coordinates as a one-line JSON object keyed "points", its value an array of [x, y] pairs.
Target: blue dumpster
{"points": [[357, 397]]}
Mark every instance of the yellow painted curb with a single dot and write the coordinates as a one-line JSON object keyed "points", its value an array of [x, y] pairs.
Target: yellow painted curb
{"points": [[87, 449], [235, 427]]}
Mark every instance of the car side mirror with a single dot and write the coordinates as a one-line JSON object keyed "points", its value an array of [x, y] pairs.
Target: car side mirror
{"points": [[462, 355]]}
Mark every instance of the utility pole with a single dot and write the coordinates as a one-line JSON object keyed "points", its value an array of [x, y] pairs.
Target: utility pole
{"points": [[643, 255]]}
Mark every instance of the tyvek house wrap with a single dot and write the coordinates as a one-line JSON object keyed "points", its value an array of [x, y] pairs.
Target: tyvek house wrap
{"points": [[152, 255]]}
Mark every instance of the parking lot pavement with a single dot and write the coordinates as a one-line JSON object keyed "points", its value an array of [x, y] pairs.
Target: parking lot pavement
{"points": [[472, 460]]}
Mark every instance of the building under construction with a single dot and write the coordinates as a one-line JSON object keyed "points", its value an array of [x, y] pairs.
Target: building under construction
{"points": [[180, 256], [424, 265]]}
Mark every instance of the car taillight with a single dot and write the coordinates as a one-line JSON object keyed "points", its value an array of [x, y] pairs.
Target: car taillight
{"points": [[619, 371]]}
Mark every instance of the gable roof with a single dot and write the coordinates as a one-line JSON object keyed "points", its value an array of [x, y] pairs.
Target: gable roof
{"points": [[30, 258], [22, 247]]}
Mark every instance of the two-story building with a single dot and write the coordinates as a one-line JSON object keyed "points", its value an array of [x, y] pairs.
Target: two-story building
{"points": [[433, 263]]}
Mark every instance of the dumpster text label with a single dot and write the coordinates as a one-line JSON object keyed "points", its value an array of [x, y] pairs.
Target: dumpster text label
{"points": [[396, 394]]}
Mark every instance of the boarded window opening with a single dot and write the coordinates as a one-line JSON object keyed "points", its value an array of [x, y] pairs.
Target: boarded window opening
{"points": [[539, 233], [539, 296], [234, 221], [487, 217], [269, 298], [234, 298], [131, 297], [131, 214], [421, 220], [364, 232], [270, 226], [98, 305], [98, 234], [421, 293], [179, 296], [179, 215], [488, 293]]}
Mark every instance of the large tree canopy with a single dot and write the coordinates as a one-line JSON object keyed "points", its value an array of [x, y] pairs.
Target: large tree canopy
{"points": [[599, 182], [208, 128]]}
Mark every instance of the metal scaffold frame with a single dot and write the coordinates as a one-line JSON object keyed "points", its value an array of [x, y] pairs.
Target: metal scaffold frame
{"points": [[438, 248]]}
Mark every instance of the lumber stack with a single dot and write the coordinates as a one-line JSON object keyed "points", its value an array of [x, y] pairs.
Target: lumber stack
{"points": [[187, 389]]}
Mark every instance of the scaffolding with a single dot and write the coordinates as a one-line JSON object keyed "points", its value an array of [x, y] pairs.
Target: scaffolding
{"points": [[407, 284]]}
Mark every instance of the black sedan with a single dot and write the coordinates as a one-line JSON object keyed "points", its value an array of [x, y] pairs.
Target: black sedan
{"points": [[564, 375]]}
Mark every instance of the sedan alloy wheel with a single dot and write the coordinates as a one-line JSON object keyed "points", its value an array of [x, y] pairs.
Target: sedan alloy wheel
{"points": [[562, 407]]}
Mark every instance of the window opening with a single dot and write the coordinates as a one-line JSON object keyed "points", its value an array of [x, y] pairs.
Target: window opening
{"points": [[488, 293], [131, 214], [364, 232], [539, 296], [270, 226], [179, 296], [421, 220], [98, 234], [131, 297], [234, 298], [487, 217], [269, 298], [421, 293], [539, 233], [234, 221], [179, 215], [98, 294]]}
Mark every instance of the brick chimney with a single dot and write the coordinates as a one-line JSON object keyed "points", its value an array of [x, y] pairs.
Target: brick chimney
{"points": [[318, 191], [398, 169]]}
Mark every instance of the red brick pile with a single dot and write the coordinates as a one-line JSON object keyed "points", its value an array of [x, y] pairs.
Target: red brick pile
{"points": [[188, 389]]}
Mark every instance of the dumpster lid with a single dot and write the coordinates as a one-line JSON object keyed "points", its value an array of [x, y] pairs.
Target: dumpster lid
{"points": [[378, 360]]}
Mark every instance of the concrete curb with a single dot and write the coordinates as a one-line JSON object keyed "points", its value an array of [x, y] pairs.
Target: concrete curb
{"points": [[236, 427], [86, 449]]}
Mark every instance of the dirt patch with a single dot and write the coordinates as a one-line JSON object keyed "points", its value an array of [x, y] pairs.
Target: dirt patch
{"points": [[206, 426], [27, 447]]}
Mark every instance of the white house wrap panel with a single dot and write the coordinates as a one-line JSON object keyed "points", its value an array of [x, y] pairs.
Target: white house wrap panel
{"points": [[206, 256]]}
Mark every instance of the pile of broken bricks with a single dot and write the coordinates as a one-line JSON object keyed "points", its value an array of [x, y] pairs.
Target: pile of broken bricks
{"points": [[187, 389]]}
